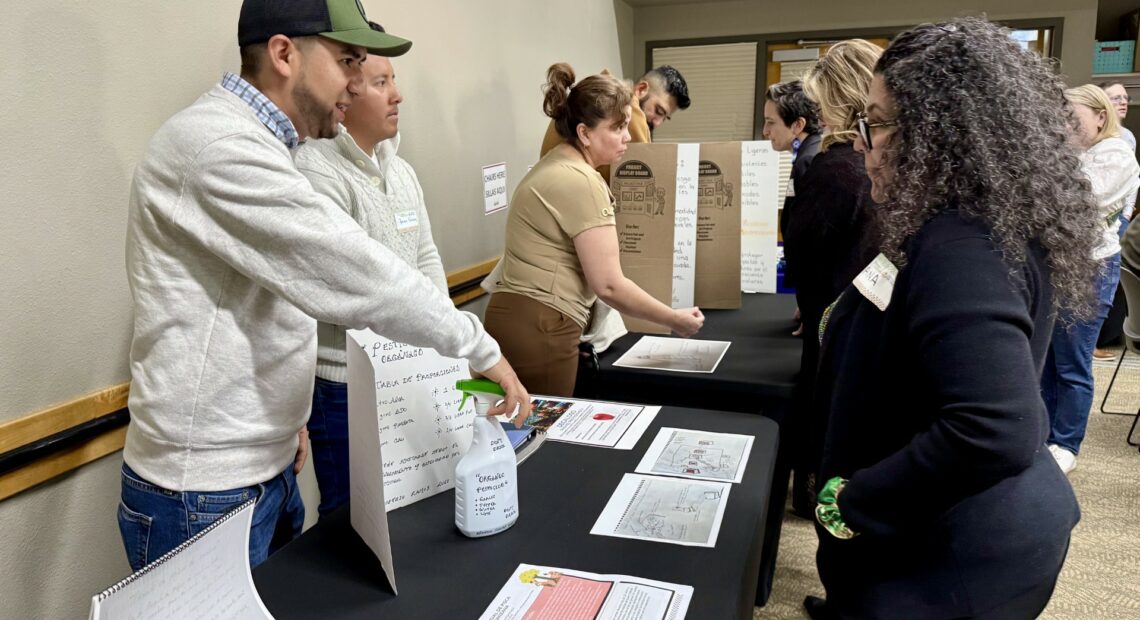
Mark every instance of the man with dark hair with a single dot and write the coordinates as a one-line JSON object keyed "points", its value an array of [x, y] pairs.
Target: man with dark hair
{"points": [[231, 260], [659, 93]]}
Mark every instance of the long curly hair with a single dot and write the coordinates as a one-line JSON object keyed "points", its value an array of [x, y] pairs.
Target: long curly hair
{"points": [[984, 126]]}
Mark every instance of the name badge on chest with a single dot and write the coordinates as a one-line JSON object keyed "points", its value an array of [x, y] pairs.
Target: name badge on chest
{"points": [[407, 220], [877, 281]]}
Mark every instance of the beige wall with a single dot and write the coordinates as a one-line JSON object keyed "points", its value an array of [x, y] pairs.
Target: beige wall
{"points": [[86, 84], [740, 17]]}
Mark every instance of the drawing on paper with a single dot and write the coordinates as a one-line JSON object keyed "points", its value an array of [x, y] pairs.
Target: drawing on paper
{"points": [[675, 354], [671, 510]]}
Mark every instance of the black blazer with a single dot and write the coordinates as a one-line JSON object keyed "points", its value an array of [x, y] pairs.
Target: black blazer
{"points": [[825, 233], [935, 416]]}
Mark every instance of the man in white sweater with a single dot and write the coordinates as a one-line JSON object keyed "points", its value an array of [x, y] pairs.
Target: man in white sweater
{"points": [[232, 259], [360, 171]]}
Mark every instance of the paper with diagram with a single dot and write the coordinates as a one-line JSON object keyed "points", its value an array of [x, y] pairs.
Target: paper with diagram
{"points": [[697, 454], [591, 422], [674, 354], [682, 512], [536, 592]]}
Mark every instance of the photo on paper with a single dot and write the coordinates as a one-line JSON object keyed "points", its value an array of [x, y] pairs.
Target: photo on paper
{"points": [[682, 512], [674, 354], [538, 592], [597, 423], [701, 455], [546, 412]]}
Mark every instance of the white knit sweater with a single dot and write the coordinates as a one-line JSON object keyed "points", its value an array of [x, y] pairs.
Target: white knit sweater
{"points": [[231, 260], [386, 200], [1112, 169]]}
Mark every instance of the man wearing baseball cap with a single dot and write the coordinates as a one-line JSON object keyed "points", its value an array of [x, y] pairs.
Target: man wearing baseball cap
{"points": [[232, 259]]}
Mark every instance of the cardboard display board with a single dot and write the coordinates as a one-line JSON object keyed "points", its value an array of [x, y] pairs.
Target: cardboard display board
{"points": [[718, 226], [654, 187], [697, 224]]}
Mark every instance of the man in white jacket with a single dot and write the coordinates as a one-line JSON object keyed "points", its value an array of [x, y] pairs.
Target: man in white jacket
{"points": [[232, 259], [360, 171]]}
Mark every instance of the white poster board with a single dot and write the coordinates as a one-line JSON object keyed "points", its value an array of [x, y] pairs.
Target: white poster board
{"points": [[685, 223], [759, 216], [405, 431]]}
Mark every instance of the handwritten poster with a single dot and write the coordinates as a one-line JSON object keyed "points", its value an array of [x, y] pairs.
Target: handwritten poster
{"points": [[494, 188], [685, 226], [759, 219], [422, 430]]}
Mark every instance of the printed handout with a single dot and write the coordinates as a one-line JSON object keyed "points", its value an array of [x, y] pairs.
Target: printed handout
{"points": [[674, 354], [593, 423], [682, 512], [542, 592], [702, 455]]}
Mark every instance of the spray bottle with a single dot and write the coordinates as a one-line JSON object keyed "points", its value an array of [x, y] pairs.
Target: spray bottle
{"points": [[486, 483]]}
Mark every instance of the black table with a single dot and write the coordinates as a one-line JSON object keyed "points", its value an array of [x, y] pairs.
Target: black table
{"points": [[329, 572], [756, 375]]}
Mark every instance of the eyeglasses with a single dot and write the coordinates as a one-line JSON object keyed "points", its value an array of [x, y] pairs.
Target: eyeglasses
{"points": [[865, 127], [1119, 99]]}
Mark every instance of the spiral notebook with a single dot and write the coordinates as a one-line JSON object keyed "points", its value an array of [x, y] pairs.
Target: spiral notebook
{"points": [[207, 576]]}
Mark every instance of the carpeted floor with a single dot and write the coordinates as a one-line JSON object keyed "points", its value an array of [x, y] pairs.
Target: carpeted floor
{"points": [[1101, 578]]}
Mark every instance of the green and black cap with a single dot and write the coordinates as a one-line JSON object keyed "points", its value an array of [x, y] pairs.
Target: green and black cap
{"points": [[339, 20]]}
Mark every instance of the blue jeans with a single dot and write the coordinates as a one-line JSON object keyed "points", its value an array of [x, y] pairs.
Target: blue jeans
{"points": [[1067, 381], [328, 433], [153, 520]]}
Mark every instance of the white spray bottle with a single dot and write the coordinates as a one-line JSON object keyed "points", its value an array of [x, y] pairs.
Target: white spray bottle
{"points": [[486, 478]]}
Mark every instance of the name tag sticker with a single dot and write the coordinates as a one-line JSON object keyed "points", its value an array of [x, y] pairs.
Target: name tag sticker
{"points": [[407, 220], [877, 281]]}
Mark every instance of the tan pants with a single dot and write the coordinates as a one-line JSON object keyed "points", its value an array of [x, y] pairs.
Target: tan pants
{"points": [[540, 342]]}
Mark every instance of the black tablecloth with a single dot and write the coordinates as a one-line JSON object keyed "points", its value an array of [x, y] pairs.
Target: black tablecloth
{"points": [[755, 376], [329, 572]]}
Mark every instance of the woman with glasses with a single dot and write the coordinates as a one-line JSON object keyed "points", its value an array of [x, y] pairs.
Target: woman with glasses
{"points": [[938, 498], [824, 233], [1109, 164]]}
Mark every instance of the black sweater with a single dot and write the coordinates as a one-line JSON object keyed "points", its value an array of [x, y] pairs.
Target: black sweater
{"points": [[935, 416], [825, 242]]}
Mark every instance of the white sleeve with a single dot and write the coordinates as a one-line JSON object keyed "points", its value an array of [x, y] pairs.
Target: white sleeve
{"points": [[261, 216]]}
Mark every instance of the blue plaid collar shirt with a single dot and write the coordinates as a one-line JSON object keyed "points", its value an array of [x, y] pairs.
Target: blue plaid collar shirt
{"points": [[267, 112]]}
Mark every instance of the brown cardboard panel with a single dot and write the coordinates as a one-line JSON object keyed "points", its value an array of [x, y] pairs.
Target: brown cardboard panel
{"points": [[644, 186], [718, 226]]}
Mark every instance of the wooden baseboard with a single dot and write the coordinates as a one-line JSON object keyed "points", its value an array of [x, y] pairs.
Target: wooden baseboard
{"points": [[42, 470], [36, 426]]}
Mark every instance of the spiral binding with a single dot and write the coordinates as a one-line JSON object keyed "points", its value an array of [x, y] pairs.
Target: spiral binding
{"points": [[105, 594]]}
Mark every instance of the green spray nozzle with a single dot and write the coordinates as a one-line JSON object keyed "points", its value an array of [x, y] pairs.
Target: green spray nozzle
{"points": [[484, 387]]}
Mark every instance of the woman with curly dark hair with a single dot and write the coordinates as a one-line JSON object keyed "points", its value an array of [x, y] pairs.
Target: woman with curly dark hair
{"points": [[940, 499]]}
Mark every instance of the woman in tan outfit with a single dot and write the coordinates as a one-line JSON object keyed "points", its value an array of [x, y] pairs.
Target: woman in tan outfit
{"points": [[561, 244]]}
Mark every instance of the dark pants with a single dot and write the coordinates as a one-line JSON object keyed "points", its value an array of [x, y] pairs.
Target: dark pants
{"points": [[540, 342], [328, 434]]}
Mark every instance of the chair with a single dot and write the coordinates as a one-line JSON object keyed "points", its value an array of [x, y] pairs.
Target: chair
{"points": [[1131, 283]]}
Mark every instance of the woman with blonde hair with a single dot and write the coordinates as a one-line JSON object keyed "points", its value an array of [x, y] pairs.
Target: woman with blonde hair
{"points": [[1108, 162], [561, 249], [825, 235]]}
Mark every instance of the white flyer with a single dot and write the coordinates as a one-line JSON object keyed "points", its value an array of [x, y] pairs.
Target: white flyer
{"points": [[591, 422], [674, 354], [682, 512], [701, 455], [542, 592], [494, 188]]}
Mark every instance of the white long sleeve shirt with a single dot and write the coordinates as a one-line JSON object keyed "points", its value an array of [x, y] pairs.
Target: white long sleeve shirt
{"points": [[1111, 167], [232, 259]]}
